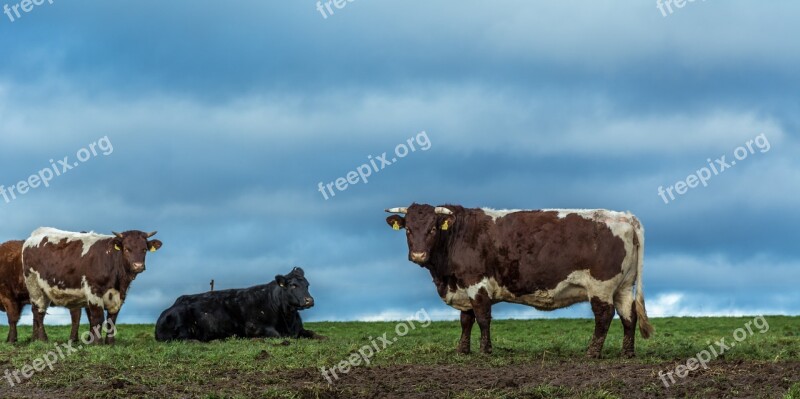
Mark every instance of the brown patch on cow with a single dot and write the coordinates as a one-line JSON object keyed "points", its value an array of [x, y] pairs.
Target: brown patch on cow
{"points": [[13, 293], [541, 250], [56, 262]]}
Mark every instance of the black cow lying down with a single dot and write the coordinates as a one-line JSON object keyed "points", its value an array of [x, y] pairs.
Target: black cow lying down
{"points": [[270, 311]]}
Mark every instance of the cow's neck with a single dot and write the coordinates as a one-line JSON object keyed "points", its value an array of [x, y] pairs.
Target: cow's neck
{"points": [[277, 303], [468, 231], [278, 306], [124, 275]]}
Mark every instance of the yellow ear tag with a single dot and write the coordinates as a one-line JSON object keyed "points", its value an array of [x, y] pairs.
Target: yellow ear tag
{"points": [[445, 225], [396, 225], [152, 249], [117, 247]]}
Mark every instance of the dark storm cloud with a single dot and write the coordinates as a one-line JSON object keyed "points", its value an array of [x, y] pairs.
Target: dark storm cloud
{"points": [[224, 118]]}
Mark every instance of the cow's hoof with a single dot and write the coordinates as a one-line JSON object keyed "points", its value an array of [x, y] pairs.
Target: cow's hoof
{"points": [[110, 341], [319, 337], [463, 350], [629, 355], [486, 351], [593, 355]]}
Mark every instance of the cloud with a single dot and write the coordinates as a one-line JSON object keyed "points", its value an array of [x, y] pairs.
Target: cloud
{"points": [[677, 304], [221, 134]]}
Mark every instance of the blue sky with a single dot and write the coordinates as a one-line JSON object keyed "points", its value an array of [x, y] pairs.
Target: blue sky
{"points": [[224, 119]]}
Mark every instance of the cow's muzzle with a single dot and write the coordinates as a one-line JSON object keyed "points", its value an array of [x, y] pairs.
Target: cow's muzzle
{"points": [[309, 303], [138, 267], [419, 257]]}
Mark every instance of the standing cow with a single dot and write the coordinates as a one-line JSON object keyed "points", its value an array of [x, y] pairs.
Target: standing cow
{"points": [[78, 270], [13, 293], [270, 310], [548, 259]]}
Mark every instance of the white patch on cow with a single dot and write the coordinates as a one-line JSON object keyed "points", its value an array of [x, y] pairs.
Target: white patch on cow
{"points": [[498, 213], [458, 299], [589, 214], [36, 293], [112, 301], [55, 236], [44, 294], [579, 286]]}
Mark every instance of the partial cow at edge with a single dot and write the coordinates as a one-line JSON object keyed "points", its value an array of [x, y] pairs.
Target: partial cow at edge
{"points": [[263, 311], [13, 294], [83, 270], [548, 259]]}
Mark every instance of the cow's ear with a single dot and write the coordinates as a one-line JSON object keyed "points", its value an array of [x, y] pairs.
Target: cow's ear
{"points": [[154, 245], [447, 222], [116, 243], [397, 222], [281, 280]]}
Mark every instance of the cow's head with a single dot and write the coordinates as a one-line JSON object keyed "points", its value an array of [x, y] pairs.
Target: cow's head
{"points": [[424, 224], [134, 246], [294, 289]]}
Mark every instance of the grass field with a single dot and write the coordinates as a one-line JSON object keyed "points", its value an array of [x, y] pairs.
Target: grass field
{"points": [[532, 359]]}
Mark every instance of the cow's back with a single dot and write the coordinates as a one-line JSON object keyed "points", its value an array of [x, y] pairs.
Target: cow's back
{"points": [[204, 317]]}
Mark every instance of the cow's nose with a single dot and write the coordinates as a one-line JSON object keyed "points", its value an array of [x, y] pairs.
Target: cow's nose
{"points": [[309, 301], [419, 256], [138, 266]]}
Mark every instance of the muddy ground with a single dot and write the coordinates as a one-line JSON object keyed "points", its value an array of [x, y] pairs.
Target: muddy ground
{"points": [[558, 379]]}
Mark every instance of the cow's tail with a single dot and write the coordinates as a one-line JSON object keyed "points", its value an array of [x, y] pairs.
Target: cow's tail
{"points": [[645, 328]]}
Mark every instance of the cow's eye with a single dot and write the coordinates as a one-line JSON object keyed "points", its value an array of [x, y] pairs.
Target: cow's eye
{"points": [[433, 230]]}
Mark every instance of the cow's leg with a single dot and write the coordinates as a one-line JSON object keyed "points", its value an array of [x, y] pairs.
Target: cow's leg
{"points": [[629, 328], [626, 309], [603, 315], [13, 309], [75, 316], [39, 334], [112, 328], [482, 306], [467, 321], [96, 316]]}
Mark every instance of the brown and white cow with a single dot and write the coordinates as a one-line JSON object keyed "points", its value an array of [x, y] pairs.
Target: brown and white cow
{"points": [[13, 293], [548, 259], [78, 270]]}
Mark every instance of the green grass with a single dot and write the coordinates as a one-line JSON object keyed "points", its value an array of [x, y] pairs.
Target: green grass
{"points": [[794, 392], [138, 361]]}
